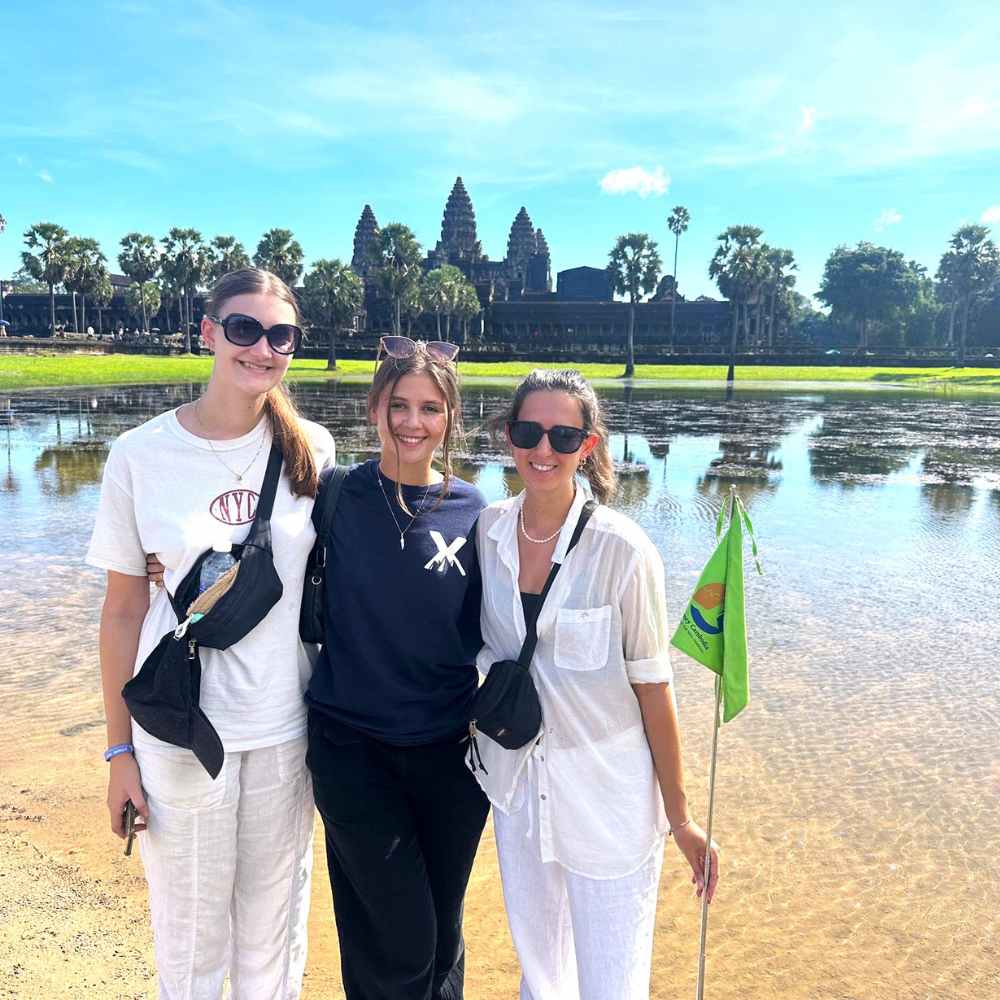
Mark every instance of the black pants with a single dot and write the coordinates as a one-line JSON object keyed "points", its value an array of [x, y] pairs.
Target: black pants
{"points": [[402, 828]]}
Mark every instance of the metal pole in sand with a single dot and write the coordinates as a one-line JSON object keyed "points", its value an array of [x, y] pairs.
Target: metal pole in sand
{"points": [[708, 849]]}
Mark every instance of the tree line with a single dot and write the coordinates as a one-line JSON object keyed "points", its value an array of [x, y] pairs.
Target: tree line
{"points": [[873, 290]]}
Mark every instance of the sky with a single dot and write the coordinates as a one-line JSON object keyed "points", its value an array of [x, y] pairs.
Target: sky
{"points": [[860, 121]]}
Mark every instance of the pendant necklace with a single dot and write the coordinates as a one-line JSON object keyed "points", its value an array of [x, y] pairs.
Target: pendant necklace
{"points": [[392, 513], [238, 475]]}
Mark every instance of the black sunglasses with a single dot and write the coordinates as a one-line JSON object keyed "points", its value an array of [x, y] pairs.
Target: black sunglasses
{"points": [[527, 434], [245, 331]]}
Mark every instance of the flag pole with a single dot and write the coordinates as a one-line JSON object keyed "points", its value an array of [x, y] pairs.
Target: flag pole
{"points": [[700, 991], [708, 849]]}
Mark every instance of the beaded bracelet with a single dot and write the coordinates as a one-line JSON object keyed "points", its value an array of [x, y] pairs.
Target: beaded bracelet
{"points": [[117, 749]]}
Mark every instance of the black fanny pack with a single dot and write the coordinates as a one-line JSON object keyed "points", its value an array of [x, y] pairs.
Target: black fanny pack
{"points": [[506, 707], [163, 697]]}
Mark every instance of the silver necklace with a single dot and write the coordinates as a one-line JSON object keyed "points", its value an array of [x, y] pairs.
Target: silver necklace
{"points": [[392, 513], [239, 475], [536, 541]]}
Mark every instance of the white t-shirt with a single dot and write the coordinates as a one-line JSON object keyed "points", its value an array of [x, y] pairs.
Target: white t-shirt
{"points": [[167, 491], [602, 628]]}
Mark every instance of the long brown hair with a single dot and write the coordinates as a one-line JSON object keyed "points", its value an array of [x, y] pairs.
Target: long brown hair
{"points": [[597, 466], [444, 375], [284, 418]]}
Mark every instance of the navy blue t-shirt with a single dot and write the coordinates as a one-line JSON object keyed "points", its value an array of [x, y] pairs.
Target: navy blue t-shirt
{"points": [[402, 625]]}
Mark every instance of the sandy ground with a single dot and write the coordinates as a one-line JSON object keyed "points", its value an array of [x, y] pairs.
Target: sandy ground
{"points": [[801, 912]]}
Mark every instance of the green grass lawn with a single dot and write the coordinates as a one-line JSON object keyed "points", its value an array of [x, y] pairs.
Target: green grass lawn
{"points": [[36, 371]]}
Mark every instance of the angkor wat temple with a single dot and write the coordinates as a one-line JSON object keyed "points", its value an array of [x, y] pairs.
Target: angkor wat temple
{"points": [[519, 304]]}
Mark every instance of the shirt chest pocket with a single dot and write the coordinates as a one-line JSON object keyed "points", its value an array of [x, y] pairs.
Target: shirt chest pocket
{"points": [[582, 637]]}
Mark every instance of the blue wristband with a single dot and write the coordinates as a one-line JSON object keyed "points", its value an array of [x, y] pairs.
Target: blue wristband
{"points": [[117, 749]]}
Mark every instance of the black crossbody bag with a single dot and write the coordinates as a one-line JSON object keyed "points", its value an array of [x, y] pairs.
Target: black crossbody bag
{"points": [[164, 696], [313, 611], [506, 707]]}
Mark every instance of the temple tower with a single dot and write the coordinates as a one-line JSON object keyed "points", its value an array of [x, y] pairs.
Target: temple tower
{"points": [[458, 227], [521, 245], [539, 273], [365, 233]]}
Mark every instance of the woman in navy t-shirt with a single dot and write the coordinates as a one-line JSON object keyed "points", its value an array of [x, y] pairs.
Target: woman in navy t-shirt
{"points": [[390, 697]]}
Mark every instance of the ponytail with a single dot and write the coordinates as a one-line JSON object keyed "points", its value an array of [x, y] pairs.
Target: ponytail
{"points": [[286, 429]]}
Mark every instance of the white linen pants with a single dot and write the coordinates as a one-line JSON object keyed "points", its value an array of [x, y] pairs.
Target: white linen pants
{"points": [[576, 938], [229, 864]]}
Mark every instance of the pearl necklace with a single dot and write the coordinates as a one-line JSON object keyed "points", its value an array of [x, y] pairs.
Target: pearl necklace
{"points": [[536, 541]]}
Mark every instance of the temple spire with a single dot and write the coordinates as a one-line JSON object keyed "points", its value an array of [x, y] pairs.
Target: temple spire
{"points": [[521, 244], [365, 233], [458, 226]]}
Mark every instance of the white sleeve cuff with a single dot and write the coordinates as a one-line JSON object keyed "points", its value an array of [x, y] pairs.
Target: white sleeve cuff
{"points": [[656, 670]]}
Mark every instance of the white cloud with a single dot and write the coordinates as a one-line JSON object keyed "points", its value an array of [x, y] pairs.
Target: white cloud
{"points": [[808, 120], [44, 175], [991, 215], [636, 180], [889, 217]]}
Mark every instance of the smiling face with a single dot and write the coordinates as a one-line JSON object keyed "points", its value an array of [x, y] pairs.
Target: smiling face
{"points": [[249, 370], [412, 420], [543, 469]]}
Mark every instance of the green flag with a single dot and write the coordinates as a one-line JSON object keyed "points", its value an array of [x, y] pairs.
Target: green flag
{"points": [[713, 629]]}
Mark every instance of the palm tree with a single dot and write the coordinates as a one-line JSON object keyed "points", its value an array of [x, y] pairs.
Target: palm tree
{"points": [[432, 298], [185, 261], [780, 281], [49, 263], [280, 253], [140, 260], [467, 306], [332, 296], [102, 295], [739, 267], [968, 272], [678, 222], [144, 298], [85, 267], [634, 268], [396, 255], [226, 255]]}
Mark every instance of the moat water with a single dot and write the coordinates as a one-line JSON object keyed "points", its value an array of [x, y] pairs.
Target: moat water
{"points": [[859, 795]]}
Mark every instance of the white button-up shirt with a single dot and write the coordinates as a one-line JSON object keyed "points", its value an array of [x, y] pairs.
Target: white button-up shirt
{"points": [[592, 788]]}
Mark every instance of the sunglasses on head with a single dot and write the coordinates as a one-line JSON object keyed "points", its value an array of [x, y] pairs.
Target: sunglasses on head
{"points": [[245, 331], [404, 347], [528, 433]]}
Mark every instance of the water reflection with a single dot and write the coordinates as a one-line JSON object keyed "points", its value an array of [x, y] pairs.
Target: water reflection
{"points": [[872, 729]]}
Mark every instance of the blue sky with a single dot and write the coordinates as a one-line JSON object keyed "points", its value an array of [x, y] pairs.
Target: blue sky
{"points": [[876, 121]]}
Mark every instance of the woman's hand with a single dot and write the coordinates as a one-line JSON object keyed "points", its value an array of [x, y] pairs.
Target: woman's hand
{"points": [[154, 569], [691, 839], [124, 783]]}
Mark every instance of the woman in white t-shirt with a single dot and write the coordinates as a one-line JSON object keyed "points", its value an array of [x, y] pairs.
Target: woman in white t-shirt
{"points": [[228, 860], [582, 812]]}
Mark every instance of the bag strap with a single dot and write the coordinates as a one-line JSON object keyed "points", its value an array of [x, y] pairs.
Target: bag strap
{"points": [[531, 622], [260, 530], [331, 482]]}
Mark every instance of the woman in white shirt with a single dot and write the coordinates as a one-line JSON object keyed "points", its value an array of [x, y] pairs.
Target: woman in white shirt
{"points": [[582, 812], [227, 860]]}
